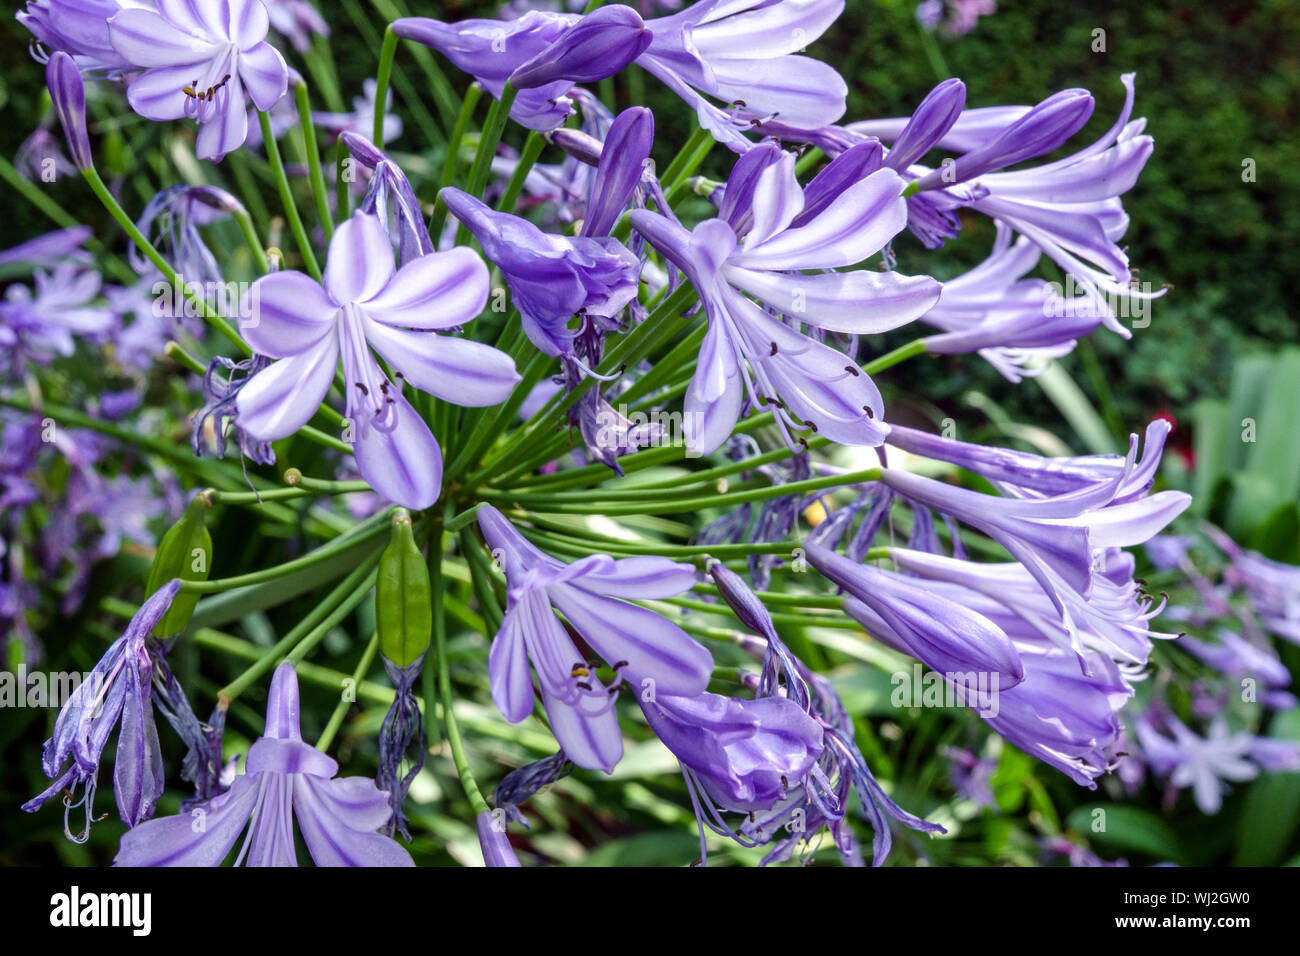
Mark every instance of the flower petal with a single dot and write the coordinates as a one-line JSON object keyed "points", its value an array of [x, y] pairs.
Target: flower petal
{"points": [[338, 819], [264, 74], [437, 291], [159, 94], [202, 837], [510, 680], [405, 464], [145, 39], [861, 302], [456, 370], [283, 397], [285, 313], [226, 131], [855, 227], [655, 649], [360, 260]]}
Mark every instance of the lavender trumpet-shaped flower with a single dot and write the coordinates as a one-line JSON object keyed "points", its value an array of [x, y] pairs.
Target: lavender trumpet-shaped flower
{"points": [[200, 61], [762, 244], [118, 689], [656, 656], [51, 249], [69, 95], [742, 52], [951, 639], [491, 51], [1012, 322], [285, 779], [366, 302]]}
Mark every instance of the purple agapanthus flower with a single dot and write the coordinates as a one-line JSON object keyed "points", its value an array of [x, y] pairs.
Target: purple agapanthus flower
{"points": [[1205, 763], [391, 198], [1240, 659], [551, 277], [118, 690], [285, 779], [200, 61], [762, 243], [820, 798], [171, 220], [297, 21], [945, 635], [364, 303], [652, 653], [741, 52], [44, 321], [736, 755], [1055, 536], [79, 28], [51, 249], [1014, 323]]}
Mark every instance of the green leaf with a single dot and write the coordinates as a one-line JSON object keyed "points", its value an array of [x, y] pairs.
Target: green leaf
{"points": [[1278, 538], [1128, 829], [185, 552]]}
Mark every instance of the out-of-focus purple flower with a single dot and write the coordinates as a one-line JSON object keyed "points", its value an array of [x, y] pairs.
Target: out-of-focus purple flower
{"points": [[1273, 587], [493, 841], [366, 302], [118, 689], [1237, 659], [201, 61], [962, 15], [172, 220], [362, 118], [1075, 854], [655, 655], [972, 776], [748, 350], [284, 779], [297, 21], [51, 249], [40, 158], [41, 322], [69, 95], [551, 277], [1168, 551], [1202, 763]]}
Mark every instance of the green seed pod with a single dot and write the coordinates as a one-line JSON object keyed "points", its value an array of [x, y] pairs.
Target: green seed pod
{"points": [[403, 609], [185, 552]]}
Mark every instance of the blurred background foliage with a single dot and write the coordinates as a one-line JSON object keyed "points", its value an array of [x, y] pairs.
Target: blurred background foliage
{"points": [[1219, 84]]}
